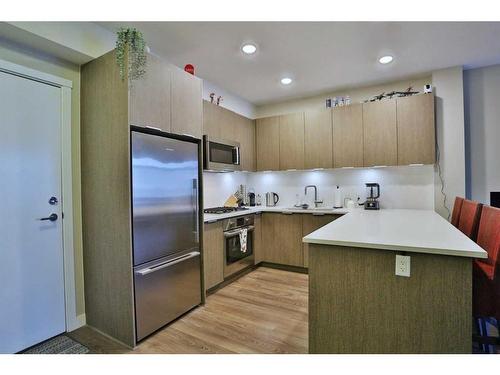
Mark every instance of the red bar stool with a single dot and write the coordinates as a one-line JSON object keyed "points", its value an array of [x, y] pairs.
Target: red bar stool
{"points": [[457, 208], [486, 280], [469, 218]]}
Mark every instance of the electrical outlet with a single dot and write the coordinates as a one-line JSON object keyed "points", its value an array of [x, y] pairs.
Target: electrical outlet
{"points": [[402, 265]]}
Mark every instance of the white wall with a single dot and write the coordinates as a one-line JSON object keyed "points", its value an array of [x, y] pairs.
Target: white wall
{"points": [[482, 120], [448, 88], [401, 187], [358, 95], [217, 187], [230, 101]]}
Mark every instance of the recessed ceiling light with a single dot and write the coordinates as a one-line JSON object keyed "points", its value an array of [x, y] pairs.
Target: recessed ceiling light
{"points": [[385, 59], [286, 81], [249, 48]]}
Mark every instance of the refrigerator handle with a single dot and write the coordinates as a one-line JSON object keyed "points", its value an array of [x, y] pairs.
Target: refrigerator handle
{"points": [[146, 271], [195, 210]]}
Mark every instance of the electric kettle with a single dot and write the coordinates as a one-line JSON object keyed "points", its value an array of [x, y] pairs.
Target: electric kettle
{"points": [[271, 199]]}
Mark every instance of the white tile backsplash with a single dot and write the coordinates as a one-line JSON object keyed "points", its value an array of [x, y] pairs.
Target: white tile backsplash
{"points": [[401, 187]]}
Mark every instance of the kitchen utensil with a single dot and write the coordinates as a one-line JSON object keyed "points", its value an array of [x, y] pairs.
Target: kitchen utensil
{"points": [[271, 199], [251, 199], [371, 202]]}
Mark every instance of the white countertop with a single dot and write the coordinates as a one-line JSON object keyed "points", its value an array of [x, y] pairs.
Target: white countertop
{"points": [[253, 210], [420, 231]]}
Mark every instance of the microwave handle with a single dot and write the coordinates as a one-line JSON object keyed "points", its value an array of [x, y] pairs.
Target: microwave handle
{"points": [[236, 155]]}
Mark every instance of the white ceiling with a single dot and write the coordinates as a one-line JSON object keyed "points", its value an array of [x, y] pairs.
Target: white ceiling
{"points": [[319, 56]]}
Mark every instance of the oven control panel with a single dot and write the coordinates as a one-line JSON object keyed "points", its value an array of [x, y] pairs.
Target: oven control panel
{"points": [[237, 222]]}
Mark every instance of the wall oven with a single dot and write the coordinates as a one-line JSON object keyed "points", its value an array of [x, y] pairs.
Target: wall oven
{"points": [[236, 258], [221, 155]]}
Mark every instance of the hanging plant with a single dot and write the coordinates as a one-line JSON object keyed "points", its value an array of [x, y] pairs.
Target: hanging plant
{"points": [[130, 42]]}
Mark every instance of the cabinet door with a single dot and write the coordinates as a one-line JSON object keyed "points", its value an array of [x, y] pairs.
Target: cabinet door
{"points": [[269, 251], [257, 243], [211, 120], [228, 123], [416, 130], [282, 239], [310, 223], [187, 106], [290, 240], [150, 96], [245, 135], [318, 139], [213, 254], [268, 143], [348, 136], [291, 141], [380, 133]]}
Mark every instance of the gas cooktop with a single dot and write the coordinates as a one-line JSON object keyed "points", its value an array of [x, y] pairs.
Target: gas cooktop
{"points": [[223, 210]]}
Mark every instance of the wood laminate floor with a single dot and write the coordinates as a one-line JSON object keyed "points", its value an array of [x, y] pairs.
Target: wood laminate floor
{"points": [[264, 311]]}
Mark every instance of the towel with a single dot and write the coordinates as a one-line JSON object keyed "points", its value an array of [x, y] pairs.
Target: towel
{"points": [[243, 240]]}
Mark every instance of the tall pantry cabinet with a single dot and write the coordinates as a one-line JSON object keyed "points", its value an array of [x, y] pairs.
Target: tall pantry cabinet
{"points": [[166, 98]]}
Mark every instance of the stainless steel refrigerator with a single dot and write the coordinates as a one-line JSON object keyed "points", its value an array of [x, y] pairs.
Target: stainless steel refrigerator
{"points": [[166, 248]]}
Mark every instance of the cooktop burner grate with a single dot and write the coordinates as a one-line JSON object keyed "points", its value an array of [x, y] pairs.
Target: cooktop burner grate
{"points": [[223, 210]]}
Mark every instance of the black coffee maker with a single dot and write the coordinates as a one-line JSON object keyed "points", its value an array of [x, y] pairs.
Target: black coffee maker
{"points": [[371, 202]]}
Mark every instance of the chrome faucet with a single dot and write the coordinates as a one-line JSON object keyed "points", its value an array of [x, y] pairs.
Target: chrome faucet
{"points": [[316, 201]]}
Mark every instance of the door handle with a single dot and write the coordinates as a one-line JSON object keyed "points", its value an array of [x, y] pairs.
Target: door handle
{"points": [[158, 267], [52, 217]]}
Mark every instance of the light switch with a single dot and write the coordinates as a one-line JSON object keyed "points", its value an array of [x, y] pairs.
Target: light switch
{"points": [[402, 265]]}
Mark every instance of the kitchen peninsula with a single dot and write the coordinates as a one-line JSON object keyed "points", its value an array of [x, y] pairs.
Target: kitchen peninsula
{"points": [[358, 305]]}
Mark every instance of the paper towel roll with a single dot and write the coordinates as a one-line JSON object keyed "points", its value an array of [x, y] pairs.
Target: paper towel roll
{"points": [[337, 199]]}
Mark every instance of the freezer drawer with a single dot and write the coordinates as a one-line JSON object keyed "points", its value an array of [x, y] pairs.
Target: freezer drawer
{"points": [[166, 290]]}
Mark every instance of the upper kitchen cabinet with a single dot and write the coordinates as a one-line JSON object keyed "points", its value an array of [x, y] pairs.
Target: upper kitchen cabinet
{"points": [[187, 106], [380, 133], [149, 96], [317, 139], [211, 120], [245, 135], [268, 143], [416, 129], [348, 136], [291, 141], [221, 123]]}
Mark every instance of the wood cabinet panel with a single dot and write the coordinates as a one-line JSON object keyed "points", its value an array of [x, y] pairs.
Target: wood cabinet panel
{"points": [[258, 250], [291, 141], [211, 120], [318, 139], [187, 106], [380, 133], [348, 136], [268, 143], [149, 98], [416, 130], [245, 135], [310, 223], [213, 254], [282, 239]]}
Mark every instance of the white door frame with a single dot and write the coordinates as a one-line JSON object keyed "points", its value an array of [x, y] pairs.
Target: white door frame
{"points": [[72, 320]]}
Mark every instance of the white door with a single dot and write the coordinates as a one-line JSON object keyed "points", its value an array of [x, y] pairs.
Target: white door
{"points": [[31, 253]]}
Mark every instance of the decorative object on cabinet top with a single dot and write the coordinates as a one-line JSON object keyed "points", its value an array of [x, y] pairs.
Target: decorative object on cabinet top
{"points": [[130, 43]]}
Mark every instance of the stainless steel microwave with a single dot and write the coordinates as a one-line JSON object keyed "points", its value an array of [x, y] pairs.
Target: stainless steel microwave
{"points": [[221, 155]]}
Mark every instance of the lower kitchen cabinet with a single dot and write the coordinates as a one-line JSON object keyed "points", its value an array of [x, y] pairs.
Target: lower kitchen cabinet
{"points": [[310, 223], [213, 254], [257, 239], [282, 239]]}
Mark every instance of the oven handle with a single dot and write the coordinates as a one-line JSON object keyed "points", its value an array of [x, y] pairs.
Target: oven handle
{"points": [[160, 266], [235, 232]]}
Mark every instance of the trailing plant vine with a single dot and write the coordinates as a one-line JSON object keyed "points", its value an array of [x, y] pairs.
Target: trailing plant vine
{"points": [[130, 42]]}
